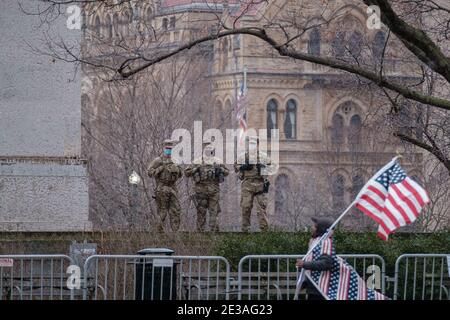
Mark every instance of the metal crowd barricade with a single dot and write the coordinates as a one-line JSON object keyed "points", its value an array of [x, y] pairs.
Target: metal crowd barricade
{"points": [[267, 277], [35, 277], [275, 276], [145, 277], [422, 277]]}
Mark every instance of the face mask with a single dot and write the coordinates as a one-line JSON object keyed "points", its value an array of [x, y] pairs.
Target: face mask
{"points": [[168, 152]]}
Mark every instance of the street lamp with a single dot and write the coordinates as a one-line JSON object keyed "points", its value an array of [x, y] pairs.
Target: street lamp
{"points": [[134, 179]]}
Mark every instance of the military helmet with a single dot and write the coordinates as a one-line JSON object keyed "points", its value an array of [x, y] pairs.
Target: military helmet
{"points": [[168, 143], [252, 139]]}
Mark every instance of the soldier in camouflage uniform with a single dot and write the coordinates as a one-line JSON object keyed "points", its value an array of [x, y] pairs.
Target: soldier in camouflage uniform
{"points": [[207, 174], [254, 186], [166, 173]]}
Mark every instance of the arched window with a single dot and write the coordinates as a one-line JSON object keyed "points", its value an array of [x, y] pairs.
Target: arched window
{"points": [[272, 108], [290, 121], [378, 45], [218, 114], [165, 23], [337, 129], [224, 56], [97, 26], [149, 14], [314, 42], [281, 195], [337, 44], [109, 27], [357, 184], [355, 43], [172, 22], [227, 109], [338, 192], [116, 25], [127, 19], [405, 121], [354, 132]]}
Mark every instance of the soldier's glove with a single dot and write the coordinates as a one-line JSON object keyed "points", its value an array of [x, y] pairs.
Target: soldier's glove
{"points": [[259, 166], [158, 170], [219, 173], [266, 186], [245, 167], [172, 168]]}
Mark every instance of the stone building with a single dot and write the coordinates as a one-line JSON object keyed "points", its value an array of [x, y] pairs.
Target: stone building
{"points": [[330, 140]]}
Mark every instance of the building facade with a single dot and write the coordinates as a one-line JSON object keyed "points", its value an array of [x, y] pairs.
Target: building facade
{"points": [[330, 139]]}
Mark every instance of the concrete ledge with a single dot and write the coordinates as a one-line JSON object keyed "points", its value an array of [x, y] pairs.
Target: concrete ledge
{"points": [[45, 226]]}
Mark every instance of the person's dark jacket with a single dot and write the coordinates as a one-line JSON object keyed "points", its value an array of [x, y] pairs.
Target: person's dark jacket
{"points": [[323, 263]]}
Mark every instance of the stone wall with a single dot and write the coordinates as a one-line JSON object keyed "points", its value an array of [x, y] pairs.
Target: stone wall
{"points": [[41, 188]]}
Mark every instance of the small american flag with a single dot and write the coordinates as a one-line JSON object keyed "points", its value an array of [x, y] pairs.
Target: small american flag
{"points": [[241, 113], [392, 199], [342, 282]]}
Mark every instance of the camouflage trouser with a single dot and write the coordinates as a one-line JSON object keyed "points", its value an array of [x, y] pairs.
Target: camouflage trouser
{"points": [[207, 201], [168, 204], [251, 190]]}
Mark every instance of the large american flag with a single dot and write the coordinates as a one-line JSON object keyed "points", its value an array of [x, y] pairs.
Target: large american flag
{"points": [[241, 113], [342, 282], [392, 199]]}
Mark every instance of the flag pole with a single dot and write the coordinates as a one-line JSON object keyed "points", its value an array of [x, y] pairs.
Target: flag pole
{"points": [[327, 233], [245, 90]]}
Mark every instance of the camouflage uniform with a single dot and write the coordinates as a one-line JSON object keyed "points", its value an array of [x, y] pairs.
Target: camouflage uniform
{"points": [[166, 173], [207, 176], [254, 187]]}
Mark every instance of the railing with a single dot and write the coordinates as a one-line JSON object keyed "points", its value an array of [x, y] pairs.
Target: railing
{"points": [[156, 277], [35, 277], [275, 276], [138, 277], [422, 277]]}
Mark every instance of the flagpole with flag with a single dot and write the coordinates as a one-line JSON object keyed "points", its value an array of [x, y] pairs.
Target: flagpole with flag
{"points": [[241, 107], [390, 198], [310, 250], [301, 278]]}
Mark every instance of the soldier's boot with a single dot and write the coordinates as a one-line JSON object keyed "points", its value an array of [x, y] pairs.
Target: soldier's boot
{"points": [[261, 211], [174, 214]]}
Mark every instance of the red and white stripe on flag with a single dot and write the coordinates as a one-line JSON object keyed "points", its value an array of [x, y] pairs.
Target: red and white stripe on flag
{"points": [[392, 199]]}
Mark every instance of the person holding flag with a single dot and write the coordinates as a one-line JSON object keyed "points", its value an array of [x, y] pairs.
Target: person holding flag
{"points": [[329, 276], [390, 198]]}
